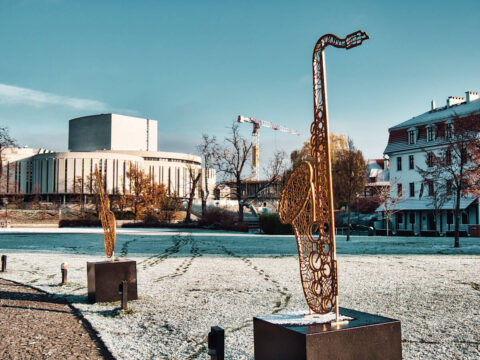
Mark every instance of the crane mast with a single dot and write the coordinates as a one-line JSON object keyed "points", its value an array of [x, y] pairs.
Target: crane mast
{"points": [[257, 124]]}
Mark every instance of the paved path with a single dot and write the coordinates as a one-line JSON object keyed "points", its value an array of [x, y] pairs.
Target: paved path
{"points": [[35, 325]]}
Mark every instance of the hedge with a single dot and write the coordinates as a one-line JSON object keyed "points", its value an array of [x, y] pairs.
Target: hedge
{"points": [[270, 224], [80, 223]]}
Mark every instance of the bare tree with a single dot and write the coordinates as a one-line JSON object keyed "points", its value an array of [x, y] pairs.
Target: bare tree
{"points": [[348, 177], [79, 188], [208, 150], [388, 202], [456, 166], [436, 196], [274, 174], [194, 177], [6, 141], [231, 160]]}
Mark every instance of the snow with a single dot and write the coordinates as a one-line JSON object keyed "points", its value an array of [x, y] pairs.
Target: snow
{"points": [[189, 281], [299, 318]]}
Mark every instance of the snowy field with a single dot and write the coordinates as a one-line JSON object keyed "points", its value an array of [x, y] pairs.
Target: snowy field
{"points": [[189, 281]]}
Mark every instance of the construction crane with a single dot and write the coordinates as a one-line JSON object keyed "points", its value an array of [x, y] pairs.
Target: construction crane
{"points": [[257, 123]]}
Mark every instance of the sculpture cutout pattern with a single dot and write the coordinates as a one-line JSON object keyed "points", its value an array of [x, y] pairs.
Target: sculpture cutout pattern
{"points": [[106, 216], [307, 196]]}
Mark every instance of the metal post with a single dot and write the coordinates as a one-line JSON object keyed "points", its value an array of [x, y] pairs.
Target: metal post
{"points": [[4, 263], [123, 290], [64, 269], [216, 343]]}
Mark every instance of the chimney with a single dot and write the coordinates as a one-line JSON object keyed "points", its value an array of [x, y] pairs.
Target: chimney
{"points": [[434, 106], [471, 96], [455, 100]]}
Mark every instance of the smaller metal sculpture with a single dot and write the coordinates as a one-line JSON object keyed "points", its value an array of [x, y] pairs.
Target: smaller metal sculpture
{"points": [[106, 216]]}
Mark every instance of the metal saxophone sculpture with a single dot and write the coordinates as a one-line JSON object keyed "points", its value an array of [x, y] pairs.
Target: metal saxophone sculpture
{"points": [[307, 196], [106, 216]]}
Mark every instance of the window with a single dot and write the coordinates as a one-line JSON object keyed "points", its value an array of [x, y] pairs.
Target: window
{"points": [[429, 159], [399, 218], [399, 190], [448, 130], [55, 175], [465, 218], [449, 186], [66, 176], [91, 176], [47, 162], [411, 163], [449, 218], [412, 218], [104, 178], [448, 157], [411, 136], [430, 133], [399, 163], [412, 189], [430, 187]]}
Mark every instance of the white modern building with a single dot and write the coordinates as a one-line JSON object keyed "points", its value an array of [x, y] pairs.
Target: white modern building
{"points": [[112, 132], [113, 143], [408, 145]]}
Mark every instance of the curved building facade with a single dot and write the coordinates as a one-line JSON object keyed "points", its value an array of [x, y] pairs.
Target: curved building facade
{"points": [[125, 142]]}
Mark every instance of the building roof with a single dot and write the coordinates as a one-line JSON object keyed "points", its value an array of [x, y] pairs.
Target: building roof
{"points": [[378, 183], [398, 135], [397, 141], [441, 114], [426, 204]]}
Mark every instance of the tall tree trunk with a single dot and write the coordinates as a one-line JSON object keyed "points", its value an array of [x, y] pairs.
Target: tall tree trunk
{"points": [[239, 199], [189, 210], [191, 196], [387, 218], [348, 222], [204, 202], [441, 221], [457, 218], [240, 211]]}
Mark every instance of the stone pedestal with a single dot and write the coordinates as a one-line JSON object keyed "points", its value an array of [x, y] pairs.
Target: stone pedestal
{"points": [[367, 336], [104, 278]]}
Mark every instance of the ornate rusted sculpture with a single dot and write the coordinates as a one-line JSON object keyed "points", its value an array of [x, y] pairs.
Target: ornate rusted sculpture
{"points": [[106, 216], [307, 197]]}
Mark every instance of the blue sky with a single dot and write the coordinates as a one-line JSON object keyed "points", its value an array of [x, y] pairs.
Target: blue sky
{"points": [[195, 65]]}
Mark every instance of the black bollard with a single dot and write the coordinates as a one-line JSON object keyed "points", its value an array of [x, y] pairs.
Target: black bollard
{"points": [[216, 343], [4, 263], [123, 290], [64, 268]]}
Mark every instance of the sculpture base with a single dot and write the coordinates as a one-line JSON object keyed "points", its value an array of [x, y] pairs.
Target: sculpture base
{"points": [[104, 278], [366, 336]]}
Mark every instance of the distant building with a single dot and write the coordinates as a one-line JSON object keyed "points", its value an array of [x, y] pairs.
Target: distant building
{"points": [[263, 199], [113, 143], [112, 132], [406, 149], [255, 189], [377, 175], [222, 192]]}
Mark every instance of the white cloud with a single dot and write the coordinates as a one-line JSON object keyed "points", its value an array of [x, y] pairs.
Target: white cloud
{"points": [[17, 95]]}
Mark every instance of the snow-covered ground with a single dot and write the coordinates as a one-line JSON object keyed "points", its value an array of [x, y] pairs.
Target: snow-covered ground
{"points": [[189, 281]]}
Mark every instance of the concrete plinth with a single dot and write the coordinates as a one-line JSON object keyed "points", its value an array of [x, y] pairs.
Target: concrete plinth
{"points": [[104, 278], [366, 336]]}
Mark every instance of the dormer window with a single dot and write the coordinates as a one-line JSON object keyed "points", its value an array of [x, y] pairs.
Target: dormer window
{"points": [[430, 133], [448, 130], [412, 135]]}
